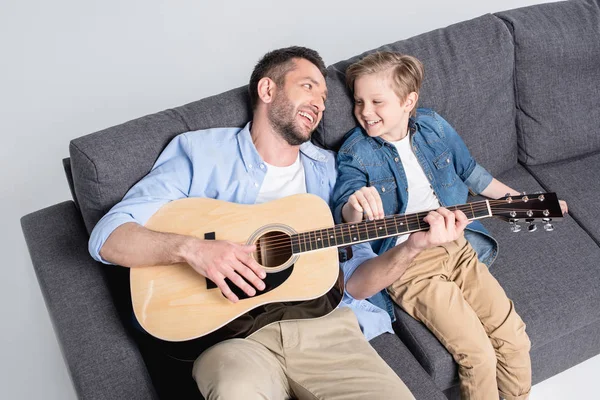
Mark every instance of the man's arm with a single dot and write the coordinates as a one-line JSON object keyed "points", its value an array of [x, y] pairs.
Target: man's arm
{"points": [[120, 238], [132, 245], [379, 272]]}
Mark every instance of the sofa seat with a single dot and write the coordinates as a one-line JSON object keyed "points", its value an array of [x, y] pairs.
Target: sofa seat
{"points": [[553, 279], [578, 183]]}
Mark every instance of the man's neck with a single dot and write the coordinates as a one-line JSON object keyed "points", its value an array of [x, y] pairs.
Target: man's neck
{"points": [[273, 148]]}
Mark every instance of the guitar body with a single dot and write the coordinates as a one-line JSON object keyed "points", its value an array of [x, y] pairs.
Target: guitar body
{"points": [[176, 304]]}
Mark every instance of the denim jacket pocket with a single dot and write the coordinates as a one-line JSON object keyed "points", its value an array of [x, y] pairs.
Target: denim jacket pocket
{"points": [[445, 173], [387, 191]]}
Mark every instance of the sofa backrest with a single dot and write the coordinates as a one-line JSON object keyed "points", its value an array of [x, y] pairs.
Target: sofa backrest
{"points": [[557, 71], [106, 164], [468, 81]]}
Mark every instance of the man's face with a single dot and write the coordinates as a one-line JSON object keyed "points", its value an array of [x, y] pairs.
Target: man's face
{"points": [[299, 103]]}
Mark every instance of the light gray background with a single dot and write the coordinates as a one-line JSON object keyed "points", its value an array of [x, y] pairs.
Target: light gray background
{"points": [[70, 67]]}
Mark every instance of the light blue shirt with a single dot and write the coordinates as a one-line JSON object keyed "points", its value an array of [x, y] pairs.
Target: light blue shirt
{"points": [[223, 164]]}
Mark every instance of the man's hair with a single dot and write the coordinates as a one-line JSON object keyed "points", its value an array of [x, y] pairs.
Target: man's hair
{"points": [[406, 72], [277, 63]]}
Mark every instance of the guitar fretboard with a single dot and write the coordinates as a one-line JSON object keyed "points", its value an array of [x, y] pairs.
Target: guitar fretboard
{"points": [[351, 233]]}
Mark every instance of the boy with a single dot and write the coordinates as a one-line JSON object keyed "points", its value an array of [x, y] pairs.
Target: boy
{"points": [[402, 160]]}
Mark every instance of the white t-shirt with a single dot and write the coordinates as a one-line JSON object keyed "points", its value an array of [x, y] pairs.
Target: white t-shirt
{"points": [[420, 193], [282, 181]]}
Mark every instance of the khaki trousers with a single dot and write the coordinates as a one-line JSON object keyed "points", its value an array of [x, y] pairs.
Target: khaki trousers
{"points": [[323, 358], [465, 307]]}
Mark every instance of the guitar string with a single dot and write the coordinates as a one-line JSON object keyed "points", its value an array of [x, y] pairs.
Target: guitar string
{"points": [[410, 218], [285, 249], [285, 243], [384, 223]]}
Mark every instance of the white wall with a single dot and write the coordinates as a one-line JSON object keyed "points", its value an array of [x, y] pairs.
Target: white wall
{"points": [[70, 67]]}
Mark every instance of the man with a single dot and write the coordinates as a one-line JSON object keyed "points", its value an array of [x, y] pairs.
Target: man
{"points": [[270, 157]]}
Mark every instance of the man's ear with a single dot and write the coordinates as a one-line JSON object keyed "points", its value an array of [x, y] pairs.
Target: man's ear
{"points": [[266, 89], [411, 101]]}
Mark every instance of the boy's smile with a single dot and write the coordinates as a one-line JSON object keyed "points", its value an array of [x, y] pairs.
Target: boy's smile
{"points": [[378, 109]]}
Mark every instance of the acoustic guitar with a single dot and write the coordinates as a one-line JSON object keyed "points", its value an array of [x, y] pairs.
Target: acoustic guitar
{"points": [[296, 242]]}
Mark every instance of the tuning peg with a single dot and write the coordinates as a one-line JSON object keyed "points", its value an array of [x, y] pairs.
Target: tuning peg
{"points": [[514, 227], [548, 227], [532, 227]]}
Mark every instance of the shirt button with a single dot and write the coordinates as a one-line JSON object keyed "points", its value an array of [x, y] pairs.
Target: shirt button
{"points": [[250, 166], [447, 161], [383, 189], [396, 159], [255, 184], [262, 166]]}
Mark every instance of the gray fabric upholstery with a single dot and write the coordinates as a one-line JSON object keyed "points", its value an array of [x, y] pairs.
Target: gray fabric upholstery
{"points": [[576, 181], [557, 55], [106, 164], [102, 359], [553, 279], [468, 81], [472, 70], [397, 356]]}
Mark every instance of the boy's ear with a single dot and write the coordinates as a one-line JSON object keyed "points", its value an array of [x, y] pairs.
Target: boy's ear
{"points": [[266, 89], [411, 101]]}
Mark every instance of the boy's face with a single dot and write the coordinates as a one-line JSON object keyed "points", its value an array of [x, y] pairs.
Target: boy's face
{"points": [[378, 109]]}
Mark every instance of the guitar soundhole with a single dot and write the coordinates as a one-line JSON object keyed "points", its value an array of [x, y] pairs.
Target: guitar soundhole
{"points": [[273, 249]]}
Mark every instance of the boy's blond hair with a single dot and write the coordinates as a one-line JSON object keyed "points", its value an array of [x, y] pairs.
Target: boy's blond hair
{"points": [[406, 72]]}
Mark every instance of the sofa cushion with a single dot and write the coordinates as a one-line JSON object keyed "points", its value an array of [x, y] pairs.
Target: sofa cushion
{"points": [[106, 164], [468, 81], [557, 59], [553, 279], [577, 182]]}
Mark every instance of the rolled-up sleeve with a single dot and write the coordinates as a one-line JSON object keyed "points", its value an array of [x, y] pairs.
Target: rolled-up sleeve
{"points": [[169, 179], [479, 179], [472, 174]]}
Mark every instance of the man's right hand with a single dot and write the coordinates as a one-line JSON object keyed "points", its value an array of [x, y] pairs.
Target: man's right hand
{"points": [[444, 226], [219, 259]]}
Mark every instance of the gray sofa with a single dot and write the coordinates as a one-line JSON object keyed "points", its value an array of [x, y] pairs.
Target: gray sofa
{"points": [[522, 87]]}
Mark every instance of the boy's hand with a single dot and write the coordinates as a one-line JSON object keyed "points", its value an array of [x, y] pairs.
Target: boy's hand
{"points": [[563, 206], [365, 201]]}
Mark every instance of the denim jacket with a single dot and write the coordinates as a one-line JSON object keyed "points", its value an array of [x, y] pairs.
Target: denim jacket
{"points": [[446, 161]]}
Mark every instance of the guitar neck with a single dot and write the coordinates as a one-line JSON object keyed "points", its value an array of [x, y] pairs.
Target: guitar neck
{"points": [[394, 225]]}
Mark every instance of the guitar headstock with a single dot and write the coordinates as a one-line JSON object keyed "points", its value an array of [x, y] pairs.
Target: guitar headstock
{"points": [[528, 208]]}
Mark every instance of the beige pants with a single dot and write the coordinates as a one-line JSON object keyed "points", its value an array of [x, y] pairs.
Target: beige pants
{"points": [[465, 307], [323, 358]]}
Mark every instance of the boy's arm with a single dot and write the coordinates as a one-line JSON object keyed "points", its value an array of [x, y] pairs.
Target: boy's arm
{"points": [[497, 189], [472, 174], [375, 273], [352, 197]]}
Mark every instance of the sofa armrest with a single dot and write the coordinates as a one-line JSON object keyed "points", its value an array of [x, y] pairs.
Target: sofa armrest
{"points": [[103, 360]]}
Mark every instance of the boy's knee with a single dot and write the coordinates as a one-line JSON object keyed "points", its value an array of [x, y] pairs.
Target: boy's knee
{"points": [[482, 359]]}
